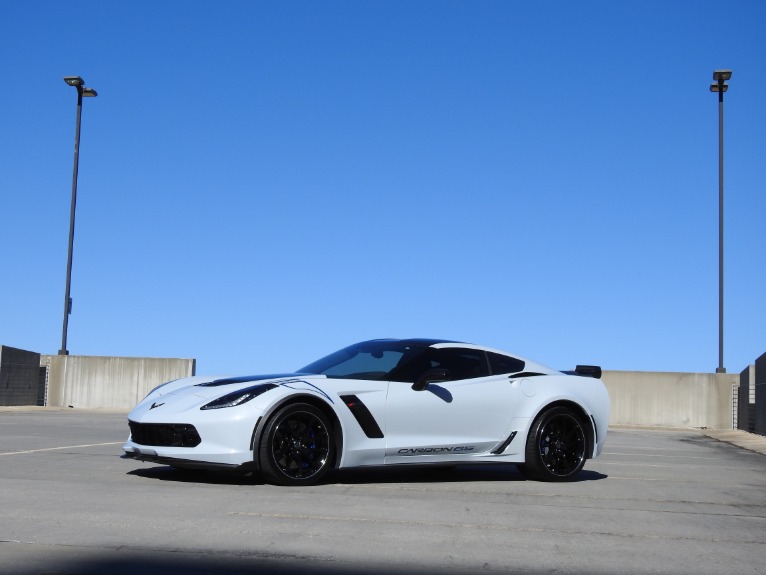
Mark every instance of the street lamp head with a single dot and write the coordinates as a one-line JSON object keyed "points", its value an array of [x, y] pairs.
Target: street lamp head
{"points": [[90, 92], [715, 87], [722, 75], [74, 81]]}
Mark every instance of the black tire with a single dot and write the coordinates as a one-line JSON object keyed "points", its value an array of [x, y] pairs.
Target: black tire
{"points": [[297, 447], [556, 445]]}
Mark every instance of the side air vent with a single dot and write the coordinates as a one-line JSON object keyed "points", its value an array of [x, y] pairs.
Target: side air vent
{"points": [[498, 450], [364, 418]]}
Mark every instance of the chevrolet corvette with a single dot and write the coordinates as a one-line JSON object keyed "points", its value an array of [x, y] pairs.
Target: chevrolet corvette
{"points": [[379, 403]]}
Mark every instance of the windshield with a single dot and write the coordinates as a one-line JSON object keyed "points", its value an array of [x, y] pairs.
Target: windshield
{"points": [[376, 360]]}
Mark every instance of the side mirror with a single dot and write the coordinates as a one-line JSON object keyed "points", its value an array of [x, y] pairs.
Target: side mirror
{"points": [[434, 375]]}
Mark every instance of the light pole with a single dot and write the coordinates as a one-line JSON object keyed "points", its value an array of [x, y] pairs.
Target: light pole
{"points": [[78, 83], [720, 77]]}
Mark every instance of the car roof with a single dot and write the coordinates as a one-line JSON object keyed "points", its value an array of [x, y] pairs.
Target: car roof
{"points": [[446, 343], [427, 341]]}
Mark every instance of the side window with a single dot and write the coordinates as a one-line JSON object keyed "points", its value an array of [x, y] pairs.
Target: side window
{"points": [[504, 363], [461, 363]]}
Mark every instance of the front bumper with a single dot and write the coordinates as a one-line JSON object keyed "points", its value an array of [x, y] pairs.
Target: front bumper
{"points": [[209, 439]]}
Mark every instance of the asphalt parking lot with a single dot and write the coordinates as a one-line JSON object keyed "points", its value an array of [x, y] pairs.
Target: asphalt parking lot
{"points": [[655, 502]]}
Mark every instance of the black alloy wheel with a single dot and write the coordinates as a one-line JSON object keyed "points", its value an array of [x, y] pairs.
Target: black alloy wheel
{"points": [[556, 445], [297, 446]]}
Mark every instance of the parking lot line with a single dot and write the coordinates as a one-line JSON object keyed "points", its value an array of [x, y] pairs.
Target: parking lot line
{"points": [[58, 448]]}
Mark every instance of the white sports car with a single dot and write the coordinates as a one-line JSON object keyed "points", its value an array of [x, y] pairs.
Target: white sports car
{"points": [[380, 402]]}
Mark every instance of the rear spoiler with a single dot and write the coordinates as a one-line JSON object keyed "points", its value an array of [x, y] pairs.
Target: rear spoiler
{"points": [[586, 371]]}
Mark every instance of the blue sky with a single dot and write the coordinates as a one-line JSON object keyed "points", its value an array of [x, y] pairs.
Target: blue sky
{"points": [[264, 182]]}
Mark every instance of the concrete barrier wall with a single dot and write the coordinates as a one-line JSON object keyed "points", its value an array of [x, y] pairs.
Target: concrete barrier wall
{"points": [[667, 399], [108, 382], [655, 399]]}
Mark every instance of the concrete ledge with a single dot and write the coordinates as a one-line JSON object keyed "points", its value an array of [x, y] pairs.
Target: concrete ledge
{"points": [[743, 439]]}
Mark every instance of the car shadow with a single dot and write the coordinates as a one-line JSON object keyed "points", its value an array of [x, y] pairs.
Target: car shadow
{"points": [[366, 476], [437, 474], [173, 474], [130, 561]]}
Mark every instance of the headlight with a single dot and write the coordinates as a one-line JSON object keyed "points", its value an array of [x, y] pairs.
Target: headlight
{"points": [[239, 397]]}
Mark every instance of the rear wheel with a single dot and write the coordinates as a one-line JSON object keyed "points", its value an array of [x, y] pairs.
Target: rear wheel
{"points": [[297, 446], [555, 449]]}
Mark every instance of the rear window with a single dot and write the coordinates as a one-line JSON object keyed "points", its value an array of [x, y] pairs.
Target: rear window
{"points": [[499, 363]]}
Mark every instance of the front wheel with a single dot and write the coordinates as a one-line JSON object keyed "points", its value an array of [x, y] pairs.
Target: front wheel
{"points": [[297, 446], [555, 449]]}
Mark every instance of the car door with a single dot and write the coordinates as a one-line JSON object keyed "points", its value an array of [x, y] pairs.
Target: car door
{"points": [[449, 420]]}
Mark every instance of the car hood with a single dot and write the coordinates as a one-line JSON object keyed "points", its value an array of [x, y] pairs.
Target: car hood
{"points": [[213, 387]]}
